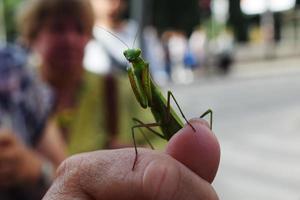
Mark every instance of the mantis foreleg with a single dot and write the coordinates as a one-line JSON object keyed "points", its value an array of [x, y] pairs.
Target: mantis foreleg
{"points": [[137, 89]]}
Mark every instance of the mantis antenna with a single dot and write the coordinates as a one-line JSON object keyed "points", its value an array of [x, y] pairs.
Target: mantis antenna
{"points": [[135, 37], [114, 35]]}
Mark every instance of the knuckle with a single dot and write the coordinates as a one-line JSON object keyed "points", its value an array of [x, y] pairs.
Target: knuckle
{"points": [[161, 180], [66, 181], [69, 168], [67, 177]]}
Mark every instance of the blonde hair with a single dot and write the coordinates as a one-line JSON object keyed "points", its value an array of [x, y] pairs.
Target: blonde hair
{"points": [[34, 13]]}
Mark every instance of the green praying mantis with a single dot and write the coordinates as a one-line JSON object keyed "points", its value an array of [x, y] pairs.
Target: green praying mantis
{"points": [[148, 94]]}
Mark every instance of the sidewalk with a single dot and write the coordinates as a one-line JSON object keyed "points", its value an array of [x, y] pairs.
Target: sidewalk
{"points": [[251, 61], [258, 52]]}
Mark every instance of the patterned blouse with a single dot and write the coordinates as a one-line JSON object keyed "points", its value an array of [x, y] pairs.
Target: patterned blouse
{"points": [[25, 102]]}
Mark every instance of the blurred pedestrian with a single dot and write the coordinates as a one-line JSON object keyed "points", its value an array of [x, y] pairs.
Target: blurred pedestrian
{"points": [[180, 58], [105, 51], [86, 109], [197, 45], [224, 52], [30, 144]]}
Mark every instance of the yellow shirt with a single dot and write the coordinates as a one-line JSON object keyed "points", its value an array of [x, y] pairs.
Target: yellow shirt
{"points": [[87, 123]]}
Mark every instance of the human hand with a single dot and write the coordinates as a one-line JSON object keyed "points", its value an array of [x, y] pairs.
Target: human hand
{"points": [[18, 164], [108, 175]]}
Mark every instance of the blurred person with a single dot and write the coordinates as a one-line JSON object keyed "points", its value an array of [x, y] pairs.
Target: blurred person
{"points": [[87, 110], [225, 51], [104, 54], [30, 144], [197, 44], [176, 47]]}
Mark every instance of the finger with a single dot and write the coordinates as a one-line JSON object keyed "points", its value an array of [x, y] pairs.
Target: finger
{"points": [[8, 170], [7, 177], [199, 151], [7, 183], [9, 162], [108, 175], [5, 172]]}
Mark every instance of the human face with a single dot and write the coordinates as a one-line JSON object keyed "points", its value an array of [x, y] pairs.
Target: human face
{"points": [[60, 43]]}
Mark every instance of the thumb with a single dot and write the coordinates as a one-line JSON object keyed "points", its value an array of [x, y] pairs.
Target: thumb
{"points": [[198, 150], [108, 175]]}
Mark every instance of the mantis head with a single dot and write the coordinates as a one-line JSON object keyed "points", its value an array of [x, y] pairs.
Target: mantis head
{"points": [[132, 54]]}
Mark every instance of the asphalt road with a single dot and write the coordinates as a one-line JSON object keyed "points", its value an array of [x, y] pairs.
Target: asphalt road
{"points": [[257, 120]]}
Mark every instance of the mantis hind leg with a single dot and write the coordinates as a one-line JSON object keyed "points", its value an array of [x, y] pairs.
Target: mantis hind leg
{"points": [[210, 113], [170, 94], [139, 126], [146, 138]]}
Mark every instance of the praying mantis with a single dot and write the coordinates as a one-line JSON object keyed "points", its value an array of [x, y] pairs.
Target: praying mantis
{"points": [[148, 94]]}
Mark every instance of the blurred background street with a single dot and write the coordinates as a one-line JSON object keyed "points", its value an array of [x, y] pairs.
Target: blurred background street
{"points": [[257, 120]]}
